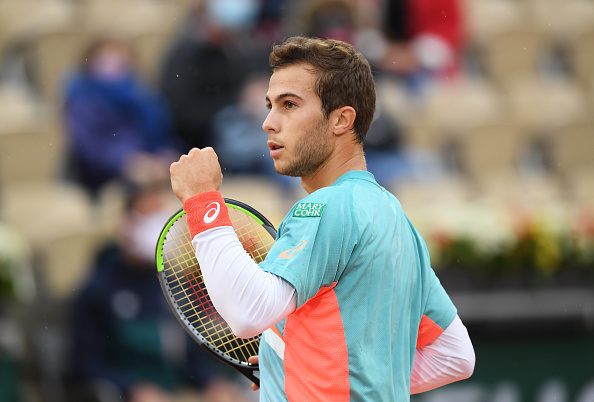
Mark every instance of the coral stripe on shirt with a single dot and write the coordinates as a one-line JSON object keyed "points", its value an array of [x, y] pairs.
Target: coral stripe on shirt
{"points": [[428, 331], [316, 358]]}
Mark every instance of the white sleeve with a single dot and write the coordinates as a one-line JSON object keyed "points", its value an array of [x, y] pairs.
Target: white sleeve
{"points": [[249, 299], [447, 359]]}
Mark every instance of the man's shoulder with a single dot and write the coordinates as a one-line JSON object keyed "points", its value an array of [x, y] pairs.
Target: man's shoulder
{"points": [[347, 195], [337, 197]]}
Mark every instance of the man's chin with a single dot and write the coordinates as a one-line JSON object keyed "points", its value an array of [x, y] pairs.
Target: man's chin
{"points": [[282, 170], [285, 173], [296, 170]]}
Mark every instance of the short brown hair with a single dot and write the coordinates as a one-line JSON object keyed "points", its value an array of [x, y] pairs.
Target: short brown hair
{"points": [[344, 75]]}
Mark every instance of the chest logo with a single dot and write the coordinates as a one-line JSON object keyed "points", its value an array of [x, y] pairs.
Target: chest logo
{"points": [[292, 251], [308, 210]]}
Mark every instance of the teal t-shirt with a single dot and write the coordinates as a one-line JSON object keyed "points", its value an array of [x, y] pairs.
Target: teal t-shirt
{"points": [[365, 292]]}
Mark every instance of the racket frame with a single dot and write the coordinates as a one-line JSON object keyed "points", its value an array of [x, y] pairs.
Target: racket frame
{"points": [[247, 369]]}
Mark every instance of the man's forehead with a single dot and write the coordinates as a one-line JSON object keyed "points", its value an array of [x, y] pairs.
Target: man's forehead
{"points": [[296, 78]]}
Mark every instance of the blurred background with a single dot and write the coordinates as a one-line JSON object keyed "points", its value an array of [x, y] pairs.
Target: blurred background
{"points": [[484, 131]]}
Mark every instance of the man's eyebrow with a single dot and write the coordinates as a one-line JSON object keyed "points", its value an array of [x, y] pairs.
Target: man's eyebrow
{"points": [[284, 95]]}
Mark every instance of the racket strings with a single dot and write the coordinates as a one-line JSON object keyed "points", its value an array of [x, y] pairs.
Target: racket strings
{"points": [[255, 239], [201, 314], [187, 289], [203, 302], [194, 303]]}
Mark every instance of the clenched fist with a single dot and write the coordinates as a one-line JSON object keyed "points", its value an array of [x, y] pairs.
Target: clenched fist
{"points": [[197, 172]]}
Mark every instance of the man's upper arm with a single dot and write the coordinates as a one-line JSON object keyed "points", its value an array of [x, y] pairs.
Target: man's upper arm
{"points": [[438, 314], [312, 247]]}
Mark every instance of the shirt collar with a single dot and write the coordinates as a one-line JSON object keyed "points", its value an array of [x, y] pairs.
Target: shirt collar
{"points": [[355, 174]]}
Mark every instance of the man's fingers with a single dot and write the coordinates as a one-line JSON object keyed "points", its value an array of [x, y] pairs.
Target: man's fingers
{"points": [[254, 360], [196, 172]]}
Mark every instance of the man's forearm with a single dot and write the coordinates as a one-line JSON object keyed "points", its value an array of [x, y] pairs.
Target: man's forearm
{"points": [[249, 299]]}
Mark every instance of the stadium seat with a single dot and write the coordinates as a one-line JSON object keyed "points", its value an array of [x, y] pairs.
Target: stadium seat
{"points": [[464, 104], [149, 51], [21, 19], [487, 18], [489, 155], [149, 25], [32, 154], [41, 210], [541, 105], [417, 196], [560, 20], [512, 55], [52, 56], [19, 111], [452, 109], [130, 18], [567, 25], [581, 57], [66, 258], [573, 153]]}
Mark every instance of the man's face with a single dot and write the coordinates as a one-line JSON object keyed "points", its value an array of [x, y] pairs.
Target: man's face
{"points": [[299, 137]]}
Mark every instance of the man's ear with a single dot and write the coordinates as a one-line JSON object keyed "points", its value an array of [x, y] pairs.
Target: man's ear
{"points": [[343, 120]]}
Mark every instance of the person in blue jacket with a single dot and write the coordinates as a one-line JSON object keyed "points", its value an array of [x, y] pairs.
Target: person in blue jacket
{"points": [[118, 127]]}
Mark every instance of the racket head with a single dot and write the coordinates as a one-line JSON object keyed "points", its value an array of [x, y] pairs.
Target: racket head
{"points": [[183, 285]]}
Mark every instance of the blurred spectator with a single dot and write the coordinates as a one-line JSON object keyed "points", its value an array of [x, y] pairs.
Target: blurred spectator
{"points": [[214, 53], [330, 19], [240, 141], [127, 343], [270, 27], [421, 44], [119, 128], [423, 41]]}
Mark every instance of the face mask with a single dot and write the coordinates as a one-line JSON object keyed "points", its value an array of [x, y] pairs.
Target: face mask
{"points": [[110, 66], [232, 14], [142, 234]]}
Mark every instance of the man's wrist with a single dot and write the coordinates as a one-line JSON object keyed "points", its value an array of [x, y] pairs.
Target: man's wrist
{"points": [[205, 211]]}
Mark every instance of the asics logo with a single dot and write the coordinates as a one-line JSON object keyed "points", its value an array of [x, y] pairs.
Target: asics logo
{"points": [[212, 213], [292, 251]]}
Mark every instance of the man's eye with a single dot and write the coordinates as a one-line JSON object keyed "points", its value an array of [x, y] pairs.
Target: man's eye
{"points": [[289, 105], [268, 106]]}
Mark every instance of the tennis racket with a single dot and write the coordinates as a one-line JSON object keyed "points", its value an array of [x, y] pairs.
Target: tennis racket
{"points": [[184, 289]]}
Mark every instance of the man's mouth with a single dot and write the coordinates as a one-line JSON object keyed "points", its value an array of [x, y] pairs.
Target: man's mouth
{"points": [[274, 145], [275, 148]]}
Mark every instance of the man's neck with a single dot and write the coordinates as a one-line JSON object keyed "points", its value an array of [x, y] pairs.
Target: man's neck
{"points": [[338, 164]]}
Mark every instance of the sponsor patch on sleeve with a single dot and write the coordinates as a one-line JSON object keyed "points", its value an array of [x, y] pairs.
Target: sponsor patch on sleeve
{"points": [[308, 210]]}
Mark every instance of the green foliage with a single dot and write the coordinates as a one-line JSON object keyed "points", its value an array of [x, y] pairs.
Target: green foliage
{"points": [[541, 246], [14, 253]]}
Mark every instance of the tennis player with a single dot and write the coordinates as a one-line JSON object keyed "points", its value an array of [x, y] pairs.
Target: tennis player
{"points": [[348, 304]]}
